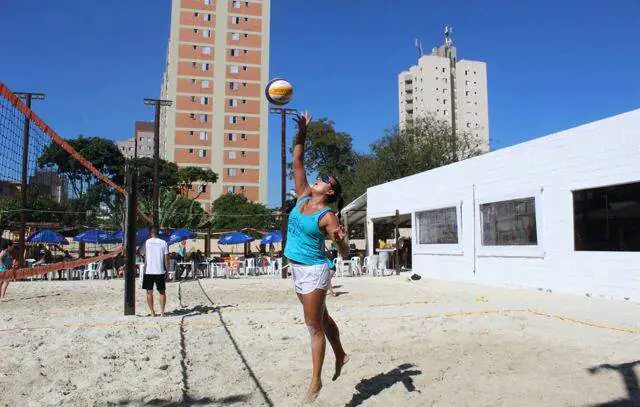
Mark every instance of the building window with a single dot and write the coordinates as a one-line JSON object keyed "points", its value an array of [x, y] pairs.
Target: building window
{"points": [[439, 226], [233, 119], [193, 81], [195, 47], [445, 112], [203, 153], [246, 19], [195, 14], [206, 50], [207, 2], [233, 69], [194, 64], [244, 101], [235, 36], [243, 136], [244, 51], [243, 154], [233, 85], [233, 137], [244, 67], [231, 172], [195, 30], [234, 52], [242, 170], [231, 189], [191, 151], [236, 4], [232, 155], [202, 188], [442, 70], [204, 84], [466, 83], [233, 102], [235, 20], [207, 17], [466, 93], [204, 100], [206, 33], [509, 223], [444, 101], [203, 118], [204, 66], [191, 133], [204, 135], [607, 218], [192, 115]]}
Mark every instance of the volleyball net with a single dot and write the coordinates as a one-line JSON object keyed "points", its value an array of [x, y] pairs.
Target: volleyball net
{"points": [[50, 191]]}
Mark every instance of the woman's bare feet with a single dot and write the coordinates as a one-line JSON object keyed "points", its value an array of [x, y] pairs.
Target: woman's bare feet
{"points": [[340, 362], [313, 392]]}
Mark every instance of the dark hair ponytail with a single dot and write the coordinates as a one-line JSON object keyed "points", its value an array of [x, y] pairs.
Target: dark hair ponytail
{"points": [[337, 197], [340, 206]]}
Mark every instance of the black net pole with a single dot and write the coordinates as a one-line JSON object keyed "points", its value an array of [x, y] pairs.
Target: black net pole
{"points": [[23, 187], [130, 243], [283, 190]]}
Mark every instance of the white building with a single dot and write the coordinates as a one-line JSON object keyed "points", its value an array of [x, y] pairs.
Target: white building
{"points": [[559, 213], [448, 89], [144, 132]]}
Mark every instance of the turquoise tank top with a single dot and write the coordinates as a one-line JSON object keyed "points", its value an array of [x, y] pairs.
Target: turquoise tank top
{"points": [[305, 240]]}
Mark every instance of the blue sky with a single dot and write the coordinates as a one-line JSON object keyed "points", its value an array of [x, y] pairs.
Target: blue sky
{"points": [[551, 65]]}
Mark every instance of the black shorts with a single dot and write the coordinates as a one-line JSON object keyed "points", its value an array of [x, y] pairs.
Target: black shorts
{"points": [[158, 279]]}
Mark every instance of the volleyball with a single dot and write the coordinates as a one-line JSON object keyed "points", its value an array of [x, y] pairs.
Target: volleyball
{"points": [[278, 91]]}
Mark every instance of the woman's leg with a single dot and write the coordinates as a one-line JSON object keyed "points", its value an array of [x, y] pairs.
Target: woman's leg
{"points": [[333, 335], [3, 288], [313, 306]]}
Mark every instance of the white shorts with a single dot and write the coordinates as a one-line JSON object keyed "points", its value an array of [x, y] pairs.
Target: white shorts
{"points": [[308, 278]]}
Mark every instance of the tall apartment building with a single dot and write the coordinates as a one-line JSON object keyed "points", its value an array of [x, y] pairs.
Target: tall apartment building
{"points": [[144, 133], [217, 68], [450, 90]]}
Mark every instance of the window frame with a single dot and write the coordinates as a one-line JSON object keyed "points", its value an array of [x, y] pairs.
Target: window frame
{"points": [[520, 251], [450, 249]]}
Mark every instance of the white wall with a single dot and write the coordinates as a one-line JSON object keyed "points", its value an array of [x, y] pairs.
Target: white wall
{"points": [[601, 153]]}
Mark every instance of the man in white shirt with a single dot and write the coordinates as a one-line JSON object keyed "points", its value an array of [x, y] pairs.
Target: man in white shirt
{"points": [[156, 262]]}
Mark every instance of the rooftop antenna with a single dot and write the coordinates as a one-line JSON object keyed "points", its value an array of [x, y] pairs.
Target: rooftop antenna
{"points": [[447, 36], [418, 46]]}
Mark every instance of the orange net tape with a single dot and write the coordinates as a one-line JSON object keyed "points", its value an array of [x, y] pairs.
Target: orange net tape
{"points": [[16, 274]]}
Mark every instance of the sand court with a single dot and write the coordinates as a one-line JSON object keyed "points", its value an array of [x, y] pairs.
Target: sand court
{"points": [[244, 342]]}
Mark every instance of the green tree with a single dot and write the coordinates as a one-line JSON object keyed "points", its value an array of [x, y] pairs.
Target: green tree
{"points": [[402, 152], [235, 211], [190, 175], [102, 153], [175, 211], [168, 175], [327, 151]]}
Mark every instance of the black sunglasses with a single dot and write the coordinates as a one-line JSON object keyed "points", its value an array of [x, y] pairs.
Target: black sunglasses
{"points": [[326, 179]]}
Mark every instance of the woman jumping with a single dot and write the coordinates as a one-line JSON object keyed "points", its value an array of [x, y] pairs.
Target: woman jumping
{"points": [[6, 263], [309, 222]]}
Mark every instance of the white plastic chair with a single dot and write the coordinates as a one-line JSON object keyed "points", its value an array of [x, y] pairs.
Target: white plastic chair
{"points": [[92, 269], [354, 266], [249, 266], [370, 264]]}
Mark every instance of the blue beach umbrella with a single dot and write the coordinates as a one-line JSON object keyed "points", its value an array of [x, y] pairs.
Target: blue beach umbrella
{"points": [[274, 236], [95, 236], [235, 238], [179, 235], [47, 236], [141, 236]]}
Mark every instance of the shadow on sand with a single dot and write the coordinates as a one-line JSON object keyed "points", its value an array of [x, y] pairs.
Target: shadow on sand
{"points": [[368, 388], [187, 401], [630, 379]]}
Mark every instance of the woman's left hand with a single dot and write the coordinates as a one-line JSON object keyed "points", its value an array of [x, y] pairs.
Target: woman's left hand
{"points": [[339, 233]]}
